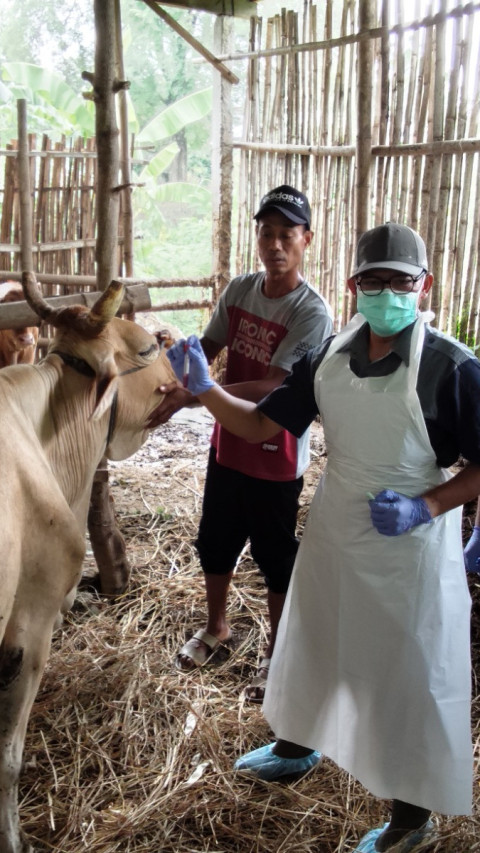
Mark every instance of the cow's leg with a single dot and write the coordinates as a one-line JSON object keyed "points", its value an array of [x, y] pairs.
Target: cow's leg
{"points": [[107, 542], [50, 567], [23, 655]]}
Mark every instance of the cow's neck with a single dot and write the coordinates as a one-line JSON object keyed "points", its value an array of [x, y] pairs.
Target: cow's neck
{"points": [[75, 443]]}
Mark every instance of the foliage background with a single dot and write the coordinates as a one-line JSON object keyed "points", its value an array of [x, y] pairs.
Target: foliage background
{"points": [[173, 236]]}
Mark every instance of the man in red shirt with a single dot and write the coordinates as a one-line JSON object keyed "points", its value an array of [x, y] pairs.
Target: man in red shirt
{"points": [[267, 320]]}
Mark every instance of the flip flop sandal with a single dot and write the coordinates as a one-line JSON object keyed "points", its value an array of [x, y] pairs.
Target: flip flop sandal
{"points": [[199, 649], [414, 841], [255, 691]]}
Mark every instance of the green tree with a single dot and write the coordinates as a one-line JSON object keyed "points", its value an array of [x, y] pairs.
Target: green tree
{"points": [[60, 35], [56, 44]]}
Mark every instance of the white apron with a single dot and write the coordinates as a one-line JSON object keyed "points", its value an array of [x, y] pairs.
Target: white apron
{"points": [[372, 659]]}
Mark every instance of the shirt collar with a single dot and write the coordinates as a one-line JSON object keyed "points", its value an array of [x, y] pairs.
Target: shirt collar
{"points": [[358, 345]]}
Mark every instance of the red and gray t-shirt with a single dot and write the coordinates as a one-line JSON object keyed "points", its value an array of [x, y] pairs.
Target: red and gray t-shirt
{"points": [[258, 332]]}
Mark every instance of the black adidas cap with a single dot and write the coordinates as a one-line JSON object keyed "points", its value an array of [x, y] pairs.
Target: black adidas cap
{"points": [[289, 201]]}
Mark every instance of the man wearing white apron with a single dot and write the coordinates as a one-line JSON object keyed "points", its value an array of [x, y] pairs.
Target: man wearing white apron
{"points": [[372, 660]]}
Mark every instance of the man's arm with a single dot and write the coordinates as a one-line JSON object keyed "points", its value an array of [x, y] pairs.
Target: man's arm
{"points": [[472, 549], [176, 396], [459, 490], [256, 389], [241, 417], [393, 513]]}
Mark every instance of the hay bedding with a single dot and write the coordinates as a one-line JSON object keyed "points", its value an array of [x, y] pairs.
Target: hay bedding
{"points": [[123, 753]]}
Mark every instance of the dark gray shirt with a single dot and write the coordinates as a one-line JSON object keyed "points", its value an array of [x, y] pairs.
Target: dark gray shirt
{"points": [[448, 388]]}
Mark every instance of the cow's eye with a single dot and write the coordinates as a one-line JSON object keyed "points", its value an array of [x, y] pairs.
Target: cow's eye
{"points": [[150, 352]]}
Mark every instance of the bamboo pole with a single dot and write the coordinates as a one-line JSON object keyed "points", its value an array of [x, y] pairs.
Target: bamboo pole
{"points": [[381, 163], [397, 122], [431, 20], [421, 149], [193, 42], [16, 315], [408, 123], [463, 286], [449, 194], [434, 235], [421, 105], [124, 159], [107, 542], [324, 110], [473, 270], [426, 119], [24, 188], [222, 163], [364, 132], [105, 86]]}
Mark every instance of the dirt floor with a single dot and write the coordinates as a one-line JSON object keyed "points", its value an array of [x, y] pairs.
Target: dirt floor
{"points": [[124, 753]]}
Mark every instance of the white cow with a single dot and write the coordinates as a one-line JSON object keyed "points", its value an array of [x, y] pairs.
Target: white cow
{"points": [[89, 397]]}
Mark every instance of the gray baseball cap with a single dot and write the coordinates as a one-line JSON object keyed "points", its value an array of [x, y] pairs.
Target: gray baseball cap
{"points": [[392, 247]]}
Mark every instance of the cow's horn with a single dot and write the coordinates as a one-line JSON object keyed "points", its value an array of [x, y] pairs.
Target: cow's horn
{"points": [[106, 305], [35, 299], [76, 317]]}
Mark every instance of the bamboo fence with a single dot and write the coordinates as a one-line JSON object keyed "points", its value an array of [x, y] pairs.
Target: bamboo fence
{"points": [[63, 186], [303, 126], [371, 108], [62, 181]]}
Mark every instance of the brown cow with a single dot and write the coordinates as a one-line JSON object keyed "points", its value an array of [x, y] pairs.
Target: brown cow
{"points": [[17, 346], [89, 397]]}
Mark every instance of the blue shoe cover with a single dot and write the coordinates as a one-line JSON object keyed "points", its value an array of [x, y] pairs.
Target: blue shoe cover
{"points": [[416, 840], [264, 764]]}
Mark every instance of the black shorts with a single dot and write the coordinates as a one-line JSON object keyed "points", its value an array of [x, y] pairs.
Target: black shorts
{"points": [[237, 507]]}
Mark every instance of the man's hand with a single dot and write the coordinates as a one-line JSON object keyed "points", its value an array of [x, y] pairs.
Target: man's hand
{"points": [[471, 552], [175, 399], [198, 379], [393, 513]]}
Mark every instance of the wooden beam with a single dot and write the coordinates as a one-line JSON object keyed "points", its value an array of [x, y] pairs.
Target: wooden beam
{"points": [[412, 149], [82, 281], [370, 33], [16, 315], [193, 42]]}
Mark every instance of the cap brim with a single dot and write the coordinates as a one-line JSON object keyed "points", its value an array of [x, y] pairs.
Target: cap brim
{"points": [[397, 266], [298, 220]]}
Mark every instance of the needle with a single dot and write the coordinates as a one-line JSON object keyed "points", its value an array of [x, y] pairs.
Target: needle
{"points": [[186, 365], [370, 496]]}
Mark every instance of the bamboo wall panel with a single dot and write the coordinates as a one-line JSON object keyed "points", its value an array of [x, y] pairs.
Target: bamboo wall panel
{"points": [[425, 90], [62, 186]]}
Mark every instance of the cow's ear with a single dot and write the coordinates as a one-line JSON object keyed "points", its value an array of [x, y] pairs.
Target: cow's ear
{"points": [[106, 388]]}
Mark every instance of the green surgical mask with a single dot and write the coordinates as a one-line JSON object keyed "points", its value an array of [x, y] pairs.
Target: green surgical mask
{"points": [[388, 313]]}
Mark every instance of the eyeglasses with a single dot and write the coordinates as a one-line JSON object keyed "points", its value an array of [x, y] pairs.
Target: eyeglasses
{"points": [[372, 286]]}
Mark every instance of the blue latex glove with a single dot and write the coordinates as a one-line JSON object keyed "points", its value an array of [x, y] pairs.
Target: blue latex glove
{"points": [[471, 553], [197, 379], [393, 513]]}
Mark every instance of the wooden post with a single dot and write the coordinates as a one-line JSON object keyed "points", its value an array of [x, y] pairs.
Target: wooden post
{"points": [[363, 157], [107, 542], [364, 119], [24, 188], [107, 201], [222, 161], [125, 164]]}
